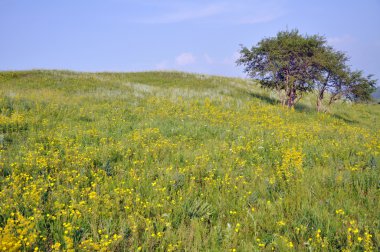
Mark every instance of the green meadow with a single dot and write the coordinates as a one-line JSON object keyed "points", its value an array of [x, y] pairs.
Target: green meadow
{"points": [[171, 161]]}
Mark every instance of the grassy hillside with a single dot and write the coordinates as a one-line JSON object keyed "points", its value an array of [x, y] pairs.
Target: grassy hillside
{"points": [[181, 162]]}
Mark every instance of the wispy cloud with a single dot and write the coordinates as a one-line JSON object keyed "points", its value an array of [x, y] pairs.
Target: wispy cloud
{"points": [[339, 40], [185, 59], [203, 63], [186, 15], [222, 12]]}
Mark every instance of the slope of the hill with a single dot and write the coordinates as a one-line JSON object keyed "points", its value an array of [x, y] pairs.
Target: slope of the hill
{"points": [[174, 161]]}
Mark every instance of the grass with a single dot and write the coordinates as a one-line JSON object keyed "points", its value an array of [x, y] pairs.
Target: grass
{"points": [[172, 161]]}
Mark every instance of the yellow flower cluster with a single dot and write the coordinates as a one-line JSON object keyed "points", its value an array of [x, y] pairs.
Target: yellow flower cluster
{"points": [[18, 233], [291, 168], [14, 122], [103, 244]]}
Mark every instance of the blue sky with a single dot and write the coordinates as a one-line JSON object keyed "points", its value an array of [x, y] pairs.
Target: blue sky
{"points": [[195, 36]]}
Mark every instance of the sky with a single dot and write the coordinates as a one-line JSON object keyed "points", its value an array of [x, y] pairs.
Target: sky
{"points": [[201, 36]]}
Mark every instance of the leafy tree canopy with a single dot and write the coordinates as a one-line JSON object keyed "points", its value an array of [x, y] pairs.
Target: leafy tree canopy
{"points": [[294, 64]]}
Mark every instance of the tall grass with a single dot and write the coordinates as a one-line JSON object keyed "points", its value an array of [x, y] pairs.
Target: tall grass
{"points": [[171, 161]]}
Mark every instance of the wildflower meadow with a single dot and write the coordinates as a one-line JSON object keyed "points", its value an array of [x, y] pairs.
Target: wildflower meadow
{"points": [[170, 161]]}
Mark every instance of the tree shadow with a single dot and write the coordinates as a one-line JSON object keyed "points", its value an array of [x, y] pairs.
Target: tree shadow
{"points": [[299, 107], [344, 119], [264, 98], [303, 108], [273, 101]]}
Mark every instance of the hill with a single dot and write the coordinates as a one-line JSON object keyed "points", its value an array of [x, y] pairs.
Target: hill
{"points": [[174, 161]]}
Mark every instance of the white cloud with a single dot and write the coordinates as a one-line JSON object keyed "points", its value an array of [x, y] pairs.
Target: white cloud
{"points": [[185, 59], [185, 15], [206, 62], [340, 40]]}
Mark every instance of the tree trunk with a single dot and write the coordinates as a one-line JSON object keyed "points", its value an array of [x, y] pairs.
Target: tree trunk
{"points": [[321, 94], [319, 104], [333, 98], [287, 90], [292, 95], [320, 100]]}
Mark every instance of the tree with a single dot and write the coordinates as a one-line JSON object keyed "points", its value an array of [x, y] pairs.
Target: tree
{"points": [[331, 70], [354, 87], [294, 64], [336, 78], [284, 63]]}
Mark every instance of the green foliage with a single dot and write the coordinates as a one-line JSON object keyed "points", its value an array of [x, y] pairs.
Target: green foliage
{"points": [[294, 64], [285, 62], [181, 162], [360, 87]]}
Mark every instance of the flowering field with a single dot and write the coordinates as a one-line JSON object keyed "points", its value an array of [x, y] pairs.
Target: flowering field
{"points": [[180, 162]]}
